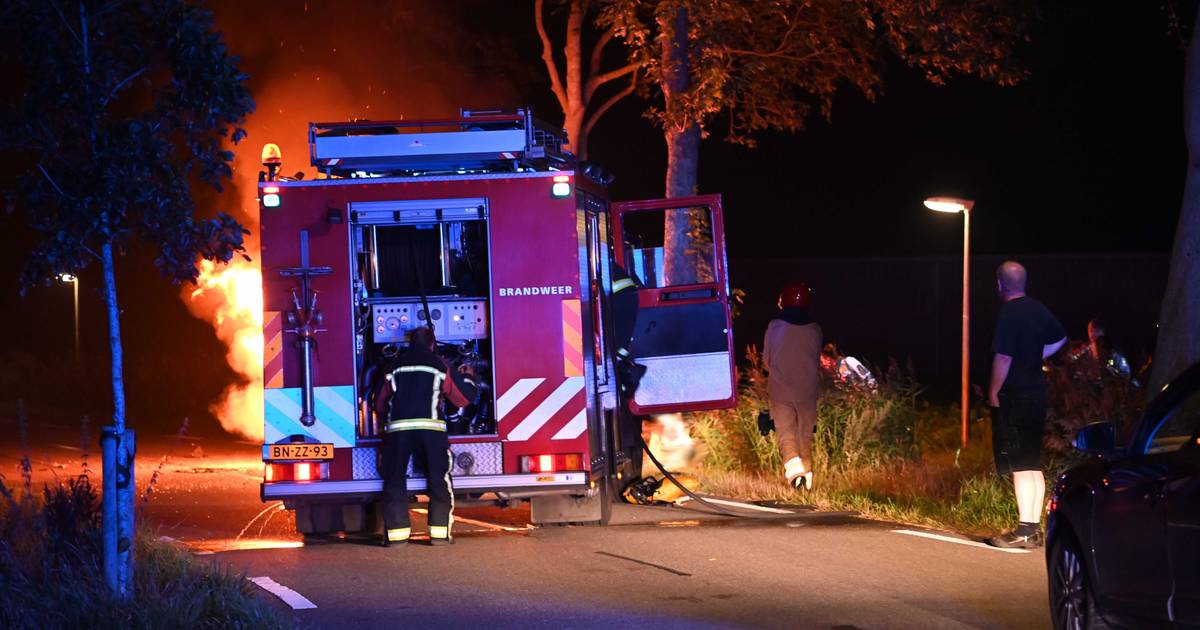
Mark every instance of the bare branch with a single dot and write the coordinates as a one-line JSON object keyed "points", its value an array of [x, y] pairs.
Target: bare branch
{"points": [[51, 180], [83, 29], [548, 56], [120, 85], [604, 107], [61, 16], [596, 81], [598, 50]]}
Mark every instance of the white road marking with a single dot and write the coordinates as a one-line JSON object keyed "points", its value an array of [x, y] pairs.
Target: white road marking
{"points": [[957, 541], [748, 506], [289, 597]]}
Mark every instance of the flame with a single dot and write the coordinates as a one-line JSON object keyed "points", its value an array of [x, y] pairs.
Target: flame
{"points": [[230, 296], [667, 437]]}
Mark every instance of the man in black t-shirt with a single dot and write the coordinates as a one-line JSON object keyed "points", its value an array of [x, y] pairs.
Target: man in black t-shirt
{"points": [[1026, 334]]}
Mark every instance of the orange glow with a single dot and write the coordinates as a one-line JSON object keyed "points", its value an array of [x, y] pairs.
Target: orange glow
{"points": [[270, 190], [268, 472], [230, 296], [562, 178]]}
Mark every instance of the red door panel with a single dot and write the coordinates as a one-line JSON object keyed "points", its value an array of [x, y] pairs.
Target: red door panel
{"points": [[684, 333]]}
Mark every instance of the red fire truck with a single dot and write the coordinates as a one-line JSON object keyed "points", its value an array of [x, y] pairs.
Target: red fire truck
{"points": [[483, 228]]}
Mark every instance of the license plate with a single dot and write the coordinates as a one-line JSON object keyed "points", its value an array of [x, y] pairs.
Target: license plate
{"points": [[300, 451]]}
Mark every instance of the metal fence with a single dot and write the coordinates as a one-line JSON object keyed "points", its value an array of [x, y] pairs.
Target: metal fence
{"points": [[909, 309]]}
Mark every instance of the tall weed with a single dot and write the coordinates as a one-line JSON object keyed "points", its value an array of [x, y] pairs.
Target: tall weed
{"points": [[883, 451], [51, 571]]}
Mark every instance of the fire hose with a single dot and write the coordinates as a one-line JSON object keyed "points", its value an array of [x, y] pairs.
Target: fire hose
{"points": [[724, 511]]}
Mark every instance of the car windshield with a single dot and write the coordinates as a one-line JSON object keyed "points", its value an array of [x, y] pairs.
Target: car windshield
{"points": [[1177, 428]]}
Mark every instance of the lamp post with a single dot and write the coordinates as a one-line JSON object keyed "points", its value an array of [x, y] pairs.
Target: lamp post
{"points": [[74, 281], [954, 206]]}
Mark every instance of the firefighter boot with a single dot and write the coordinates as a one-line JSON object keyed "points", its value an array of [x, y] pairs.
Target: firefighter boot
{"points": [[630, 374]]}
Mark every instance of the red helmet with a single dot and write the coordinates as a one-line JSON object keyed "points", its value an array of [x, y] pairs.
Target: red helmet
{"points": [[795, 294]]}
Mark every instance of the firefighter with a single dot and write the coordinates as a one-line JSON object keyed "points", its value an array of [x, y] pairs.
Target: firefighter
{"points": [[411, 400], [625, 309], [792, 354]]}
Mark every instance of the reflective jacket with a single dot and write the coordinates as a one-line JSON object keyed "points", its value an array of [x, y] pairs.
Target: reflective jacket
{"points": [[412, 393], [622, 281]]}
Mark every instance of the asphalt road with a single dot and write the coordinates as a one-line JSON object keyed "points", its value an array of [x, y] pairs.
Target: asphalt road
{"points": [[663, 567]]}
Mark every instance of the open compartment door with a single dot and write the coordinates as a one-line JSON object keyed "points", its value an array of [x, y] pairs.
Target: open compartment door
{"points": [[684, 334]]}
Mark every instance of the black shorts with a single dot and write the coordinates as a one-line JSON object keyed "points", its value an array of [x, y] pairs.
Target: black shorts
{"points": [[1017, 428]]}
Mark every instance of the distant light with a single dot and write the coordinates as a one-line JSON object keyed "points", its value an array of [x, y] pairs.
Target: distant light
{"points": [[949, 204], [66, 277], [560, 189], [270, 200]]}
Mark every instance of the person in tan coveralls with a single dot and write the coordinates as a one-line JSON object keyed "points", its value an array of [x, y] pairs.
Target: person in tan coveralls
{"points": [[792, 354]]}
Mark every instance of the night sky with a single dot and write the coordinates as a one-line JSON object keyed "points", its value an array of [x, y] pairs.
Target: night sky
{"points": [[1085, 156]]}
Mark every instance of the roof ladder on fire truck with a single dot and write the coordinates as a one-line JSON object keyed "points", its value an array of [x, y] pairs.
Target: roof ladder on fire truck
{"points": [[475, 142]]}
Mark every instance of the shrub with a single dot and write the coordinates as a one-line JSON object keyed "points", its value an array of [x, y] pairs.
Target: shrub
{"points": [[882, 451], [51, 575]]}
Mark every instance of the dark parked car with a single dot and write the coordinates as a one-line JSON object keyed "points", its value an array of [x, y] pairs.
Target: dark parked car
{"points": [[1123, 539]]}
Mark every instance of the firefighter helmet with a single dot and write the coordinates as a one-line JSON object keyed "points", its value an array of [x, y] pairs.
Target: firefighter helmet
{"points": [[795, 294]]}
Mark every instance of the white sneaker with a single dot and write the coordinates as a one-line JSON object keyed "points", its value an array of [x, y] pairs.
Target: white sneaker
{"points": [[803, 482]]}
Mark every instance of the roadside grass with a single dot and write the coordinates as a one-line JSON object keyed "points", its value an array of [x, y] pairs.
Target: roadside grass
{"points": [[883, 452], [51, 572]]}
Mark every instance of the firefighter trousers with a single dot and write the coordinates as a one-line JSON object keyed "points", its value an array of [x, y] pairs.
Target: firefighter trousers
{"points": [[398, 449], [794, 423]]}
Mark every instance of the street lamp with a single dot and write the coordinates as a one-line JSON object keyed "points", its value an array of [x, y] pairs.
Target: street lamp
{"points": [[954, 206], [74, 280]]}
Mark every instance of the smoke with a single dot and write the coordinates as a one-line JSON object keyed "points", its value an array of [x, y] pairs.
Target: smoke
{"points": [[322, 61]]}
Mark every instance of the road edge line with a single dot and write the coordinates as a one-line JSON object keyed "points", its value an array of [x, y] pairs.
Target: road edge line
{"points": [[289, 596], [957, 541]]}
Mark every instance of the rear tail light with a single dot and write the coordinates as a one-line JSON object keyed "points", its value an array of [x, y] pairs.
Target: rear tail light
{"points": [[551, 463], [270, 196], [302, 471]]}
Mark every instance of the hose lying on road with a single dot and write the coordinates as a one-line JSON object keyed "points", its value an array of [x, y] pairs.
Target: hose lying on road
{"points": [[726, 512]]}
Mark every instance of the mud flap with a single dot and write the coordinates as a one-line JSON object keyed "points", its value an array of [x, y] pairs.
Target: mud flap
{"points": [[564, 508], [329, 518]]}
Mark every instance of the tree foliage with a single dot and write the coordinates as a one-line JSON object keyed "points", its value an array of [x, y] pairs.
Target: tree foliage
{"points": [[768, 64], [122, 108]]}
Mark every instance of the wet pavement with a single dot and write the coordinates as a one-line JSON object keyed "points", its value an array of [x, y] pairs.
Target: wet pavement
{"points": [[660, 566]]}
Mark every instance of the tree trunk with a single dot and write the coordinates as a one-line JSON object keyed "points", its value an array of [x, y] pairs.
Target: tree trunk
{"points": [[683, 156], [118, 451], [576, 107], [114, 338], [1179, 321]]}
